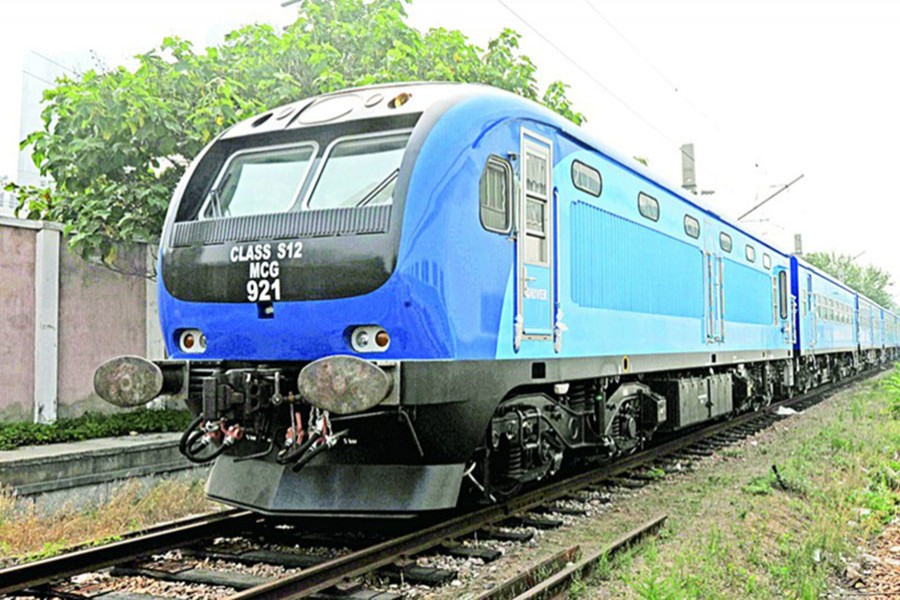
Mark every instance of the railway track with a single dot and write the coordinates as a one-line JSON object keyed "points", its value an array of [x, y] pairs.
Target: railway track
{"points": [[304, 576], [552, 577]]}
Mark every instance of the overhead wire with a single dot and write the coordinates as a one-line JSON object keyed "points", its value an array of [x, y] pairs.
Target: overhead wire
{"points": [[588, 74], [38, 77], [653, 67], [56, 62], [602, 86], [645, 58]]}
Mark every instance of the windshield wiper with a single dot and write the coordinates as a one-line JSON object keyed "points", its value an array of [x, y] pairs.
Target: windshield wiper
{"points": [[215, 196], [378, 188]]}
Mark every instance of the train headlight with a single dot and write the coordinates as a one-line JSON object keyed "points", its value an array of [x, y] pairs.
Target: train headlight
{"points": [[370, 338], [192, 341]]}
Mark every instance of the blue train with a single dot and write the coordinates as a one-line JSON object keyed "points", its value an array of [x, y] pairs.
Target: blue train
{"points": [[385, 299]]}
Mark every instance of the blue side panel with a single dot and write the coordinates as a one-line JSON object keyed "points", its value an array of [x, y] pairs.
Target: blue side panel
{"points": [[750, 290], [630, 285], [622, 265], [827, 312]]}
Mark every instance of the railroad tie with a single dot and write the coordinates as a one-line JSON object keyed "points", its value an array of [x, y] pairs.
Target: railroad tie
{"points": [[497, 534], [459, 551], [410, 572]]}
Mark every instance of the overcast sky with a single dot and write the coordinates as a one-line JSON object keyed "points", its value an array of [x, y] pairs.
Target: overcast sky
{"points": [[766, 90]]}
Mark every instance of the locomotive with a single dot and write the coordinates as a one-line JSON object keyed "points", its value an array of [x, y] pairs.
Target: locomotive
{"points": [[385, 299]]}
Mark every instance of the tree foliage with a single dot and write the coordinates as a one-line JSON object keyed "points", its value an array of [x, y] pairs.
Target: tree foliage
{"points": [[868, 279], [116, 143]]}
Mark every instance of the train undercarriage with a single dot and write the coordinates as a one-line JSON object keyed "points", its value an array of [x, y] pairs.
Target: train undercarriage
{"points": [[534, 435], [289, 431]]}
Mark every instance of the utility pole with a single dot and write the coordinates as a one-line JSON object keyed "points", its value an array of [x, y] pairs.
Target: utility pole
{"points": [[688, 168], [689, 171]]}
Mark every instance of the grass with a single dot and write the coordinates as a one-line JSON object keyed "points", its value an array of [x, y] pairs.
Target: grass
{"points": [[26, 534], [748, 530]]}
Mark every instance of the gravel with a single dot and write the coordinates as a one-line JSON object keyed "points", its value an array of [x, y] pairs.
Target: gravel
{"points": [[153, 587]]}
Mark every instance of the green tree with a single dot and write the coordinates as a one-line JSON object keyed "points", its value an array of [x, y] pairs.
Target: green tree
{"points": [[868, 279], [115, 143]]}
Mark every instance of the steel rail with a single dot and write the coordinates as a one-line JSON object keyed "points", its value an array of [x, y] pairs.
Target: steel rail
{"points": [[558, 583], [155, 539], [167, 536], [321, 577]]}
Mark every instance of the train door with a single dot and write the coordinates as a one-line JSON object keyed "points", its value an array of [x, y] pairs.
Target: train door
{"points": [[535, 249], [810, 323], [713, 285], [785, 305]]}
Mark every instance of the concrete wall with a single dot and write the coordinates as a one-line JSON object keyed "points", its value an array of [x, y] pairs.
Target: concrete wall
{"points": [[17, 256], [61, 317], [101, 315]]}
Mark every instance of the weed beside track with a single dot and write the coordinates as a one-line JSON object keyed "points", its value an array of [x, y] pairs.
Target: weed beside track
{"points": [[28, 534], [740, 528]]}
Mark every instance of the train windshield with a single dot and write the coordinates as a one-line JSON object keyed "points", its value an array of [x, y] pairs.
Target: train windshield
{"points": [[260, 182], [360, 172], [354, 172]]}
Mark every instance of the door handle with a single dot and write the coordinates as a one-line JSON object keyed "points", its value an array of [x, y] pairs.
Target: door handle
{"points": [[527, 278]]}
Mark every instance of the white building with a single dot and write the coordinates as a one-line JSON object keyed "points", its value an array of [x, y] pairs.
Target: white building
{"points": [[39, 73]]}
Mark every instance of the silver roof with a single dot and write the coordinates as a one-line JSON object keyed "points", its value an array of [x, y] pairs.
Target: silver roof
{"points": [[370, 102]]}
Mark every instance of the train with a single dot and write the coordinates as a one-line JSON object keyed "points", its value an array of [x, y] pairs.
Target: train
{"points": [[394, 299]]}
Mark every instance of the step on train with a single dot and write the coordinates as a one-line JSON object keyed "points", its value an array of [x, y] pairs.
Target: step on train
{"points": [[391, 299]]}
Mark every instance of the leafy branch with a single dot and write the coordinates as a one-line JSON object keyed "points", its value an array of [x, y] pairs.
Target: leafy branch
{"points": [[115, 142]]}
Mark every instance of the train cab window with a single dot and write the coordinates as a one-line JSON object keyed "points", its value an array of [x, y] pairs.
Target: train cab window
{"points": [[750, 253], [259, 182], [782, 294], [587, 179], [496, 195], [767, 261], [725, 242], [648, 206], [691, 226], [360, 171]]}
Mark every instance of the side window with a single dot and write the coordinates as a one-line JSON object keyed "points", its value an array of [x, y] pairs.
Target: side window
{"points": [[750, 253], [691, 226], [587, 179], [537, 202], [767, 261], [496, 195], [782, 294], [536, 229], [648, 206], [725, 242]]}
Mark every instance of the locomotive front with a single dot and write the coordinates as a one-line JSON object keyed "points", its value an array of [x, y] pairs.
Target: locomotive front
{"points": [[283, 323]]}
